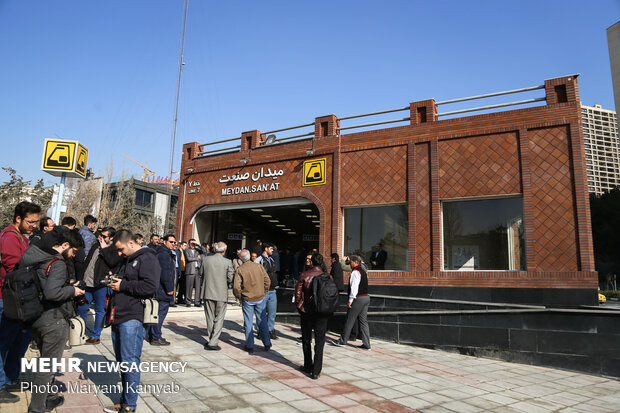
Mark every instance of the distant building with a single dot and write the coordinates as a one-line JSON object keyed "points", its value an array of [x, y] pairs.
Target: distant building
{"points": [[600, 134], [613, 43]]}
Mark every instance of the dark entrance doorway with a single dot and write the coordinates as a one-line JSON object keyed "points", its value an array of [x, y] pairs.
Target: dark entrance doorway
{"points": [[289, 224]]}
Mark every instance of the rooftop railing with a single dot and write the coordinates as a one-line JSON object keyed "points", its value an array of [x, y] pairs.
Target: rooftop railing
{"points": [[271, 138]]}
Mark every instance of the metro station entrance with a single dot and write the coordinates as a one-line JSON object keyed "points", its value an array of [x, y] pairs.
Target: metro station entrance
{"points": [[288, 223]]}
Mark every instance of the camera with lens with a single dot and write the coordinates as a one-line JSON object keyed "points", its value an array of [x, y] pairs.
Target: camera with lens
{"points": [[80, 299]]}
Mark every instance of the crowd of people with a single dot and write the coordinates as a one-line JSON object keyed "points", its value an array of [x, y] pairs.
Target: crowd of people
{"points": [[114, 272]]}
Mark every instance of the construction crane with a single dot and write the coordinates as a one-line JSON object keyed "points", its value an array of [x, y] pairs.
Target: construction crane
{"points": [[147, 172]]}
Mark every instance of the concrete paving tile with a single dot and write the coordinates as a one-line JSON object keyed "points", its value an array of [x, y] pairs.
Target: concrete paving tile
{"points": [[316, 391], [362, 396], [227, 404], [240, 388], [288, 395], [273, 385], [461, 407], [358, 409], [189, 407], [433, 398], [482, 403], [209, 391], [365, 384], [222, 379], [454, 394], [338, 401], [497, 398], [437, 409], [412, 402], [386, 381], [536, 406], [387, 393], [277, 408], [259, 398], [409, 389], [241, 410], [310, 405]]}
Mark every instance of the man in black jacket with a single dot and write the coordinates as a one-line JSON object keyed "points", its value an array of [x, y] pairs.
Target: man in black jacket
{"points": [[138, 279], [165, 291], [51, 329], [336, 272]]}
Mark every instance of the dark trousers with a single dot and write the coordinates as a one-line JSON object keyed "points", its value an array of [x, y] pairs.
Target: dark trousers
{"points": [[180, 292], [192, 281], [318, 323], [51, 340]]}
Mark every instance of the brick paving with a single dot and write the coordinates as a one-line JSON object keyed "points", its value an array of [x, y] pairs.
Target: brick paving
{"points": [[389, 378]]}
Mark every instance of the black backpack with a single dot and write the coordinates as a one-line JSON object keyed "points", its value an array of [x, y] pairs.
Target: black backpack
{"points": [[324, 295], [23, 295]]}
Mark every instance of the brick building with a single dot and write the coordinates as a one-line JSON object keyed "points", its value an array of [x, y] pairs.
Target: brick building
{"points": [[491, 207]]}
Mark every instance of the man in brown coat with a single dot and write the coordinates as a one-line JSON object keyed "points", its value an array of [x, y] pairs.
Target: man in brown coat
{"points": [[250, 286]]}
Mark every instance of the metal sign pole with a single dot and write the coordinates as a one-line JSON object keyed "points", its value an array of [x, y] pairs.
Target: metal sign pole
{"points": [[61, 193]]}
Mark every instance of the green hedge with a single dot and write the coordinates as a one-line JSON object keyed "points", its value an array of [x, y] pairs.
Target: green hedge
{"points": [[611, 293]]}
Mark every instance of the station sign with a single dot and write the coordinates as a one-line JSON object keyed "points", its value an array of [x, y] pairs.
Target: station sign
{"points": [[314, 172], [65, 157]]}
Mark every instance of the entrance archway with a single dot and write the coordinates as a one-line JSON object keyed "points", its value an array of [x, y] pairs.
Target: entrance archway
{"points": [[289, 223]]}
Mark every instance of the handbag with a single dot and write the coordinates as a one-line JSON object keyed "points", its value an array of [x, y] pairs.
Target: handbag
{"points": [[77, 331], [151, 311]]}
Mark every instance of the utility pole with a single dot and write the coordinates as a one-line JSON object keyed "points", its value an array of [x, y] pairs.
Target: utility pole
{"points": [[176, 115]]}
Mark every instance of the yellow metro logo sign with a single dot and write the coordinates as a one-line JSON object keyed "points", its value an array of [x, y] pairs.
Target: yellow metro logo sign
{"points": [[61, 156], [314, 172]]}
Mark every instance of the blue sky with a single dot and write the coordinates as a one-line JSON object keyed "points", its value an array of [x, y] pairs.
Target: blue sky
{"points": [[104, 73]]}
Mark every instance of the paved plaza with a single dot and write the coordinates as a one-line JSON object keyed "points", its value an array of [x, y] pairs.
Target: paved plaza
{"points": [[389, 378]]}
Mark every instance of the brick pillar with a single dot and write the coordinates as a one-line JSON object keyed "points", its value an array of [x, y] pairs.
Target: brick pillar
{"points": [[190, 151], [562, 90], [423, 111], [326, 126], [251, 139]]}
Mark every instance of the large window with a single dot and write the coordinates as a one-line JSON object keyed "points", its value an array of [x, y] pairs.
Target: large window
{"points": [[485, 234], [377, 234], [144, 199]]}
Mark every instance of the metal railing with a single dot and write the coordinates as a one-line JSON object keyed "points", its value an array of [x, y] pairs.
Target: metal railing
{"points": [[310, 135]]}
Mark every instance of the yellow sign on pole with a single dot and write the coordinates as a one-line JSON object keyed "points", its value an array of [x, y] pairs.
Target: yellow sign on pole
{"points": [[62, 156], [314, 172]]}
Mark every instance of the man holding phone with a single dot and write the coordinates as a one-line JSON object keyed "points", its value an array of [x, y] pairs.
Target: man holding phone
{"points": [[138, 279]]}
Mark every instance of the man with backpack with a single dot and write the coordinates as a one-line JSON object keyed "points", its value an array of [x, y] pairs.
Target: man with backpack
{"points": [[316, 298], [51, 328], [15, 336]]}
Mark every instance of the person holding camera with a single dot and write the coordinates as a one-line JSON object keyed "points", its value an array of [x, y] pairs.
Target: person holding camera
{"points": [[102, 261], [51, 329], [137, 279]]}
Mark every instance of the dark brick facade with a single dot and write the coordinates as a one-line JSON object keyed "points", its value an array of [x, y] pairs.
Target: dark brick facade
{"points": [[535, 152]]}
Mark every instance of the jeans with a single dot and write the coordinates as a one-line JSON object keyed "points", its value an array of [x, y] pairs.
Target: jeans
{"points": [[155, 330], [127, 342], [258, 309], [271, 302], [51, 340], [14, 341], [99, 295]]}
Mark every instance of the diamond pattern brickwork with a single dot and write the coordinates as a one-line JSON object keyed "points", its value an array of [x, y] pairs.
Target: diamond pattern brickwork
{"points": [[374, 177], [479, 166], [552, 200], [423, 208]]}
